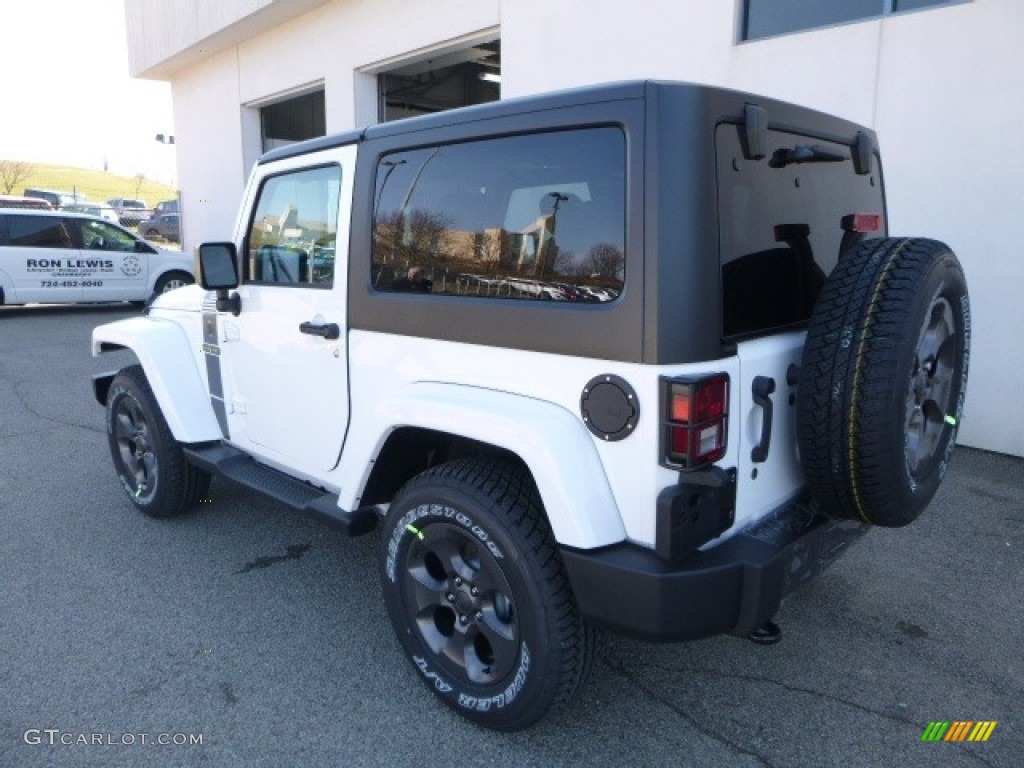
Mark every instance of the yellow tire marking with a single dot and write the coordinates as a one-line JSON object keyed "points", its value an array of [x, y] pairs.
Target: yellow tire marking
{"points": [[854, 398]]}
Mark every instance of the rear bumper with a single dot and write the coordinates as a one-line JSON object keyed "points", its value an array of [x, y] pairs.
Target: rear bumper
{"points": [[733, 588]]}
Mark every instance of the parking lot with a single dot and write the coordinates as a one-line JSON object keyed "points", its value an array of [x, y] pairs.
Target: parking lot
{"points": [[244, 635]]}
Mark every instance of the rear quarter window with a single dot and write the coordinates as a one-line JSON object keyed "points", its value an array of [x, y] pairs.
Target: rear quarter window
{"points": [[535, 217], [39, 232]]}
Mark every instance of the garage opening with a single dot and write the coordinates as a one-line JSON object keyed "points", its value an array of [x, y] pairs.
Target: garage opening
{"points": [[294, 119], [440, 81]]}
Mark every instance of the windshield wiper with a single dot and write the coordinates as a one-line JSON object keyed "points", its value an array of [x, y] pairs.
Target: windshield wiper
{"points": [[804, 153]]}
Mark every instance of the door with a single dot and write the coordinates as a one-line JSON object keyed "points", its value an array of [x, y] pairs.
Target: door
{"points": [[782, 227], [285, 354], [117, 263]]}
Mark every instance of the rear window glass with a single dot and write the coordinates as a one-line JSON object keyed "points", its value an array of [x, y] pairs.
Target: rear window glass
{"points": [[781, 225], [539, 216]]}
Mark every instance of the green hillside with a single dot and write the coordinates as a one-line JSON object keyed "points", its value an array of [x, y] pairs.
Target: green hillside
{"points": [[95, 185]]}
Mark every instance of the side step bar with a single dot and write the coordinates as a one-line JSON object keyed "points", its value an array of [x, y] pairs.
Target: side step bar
{"points": [[228, 462]]}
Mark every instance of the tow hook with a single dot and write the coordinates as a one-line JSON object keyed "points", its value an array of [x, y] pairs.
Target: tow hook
{"points": [[768, 633]]}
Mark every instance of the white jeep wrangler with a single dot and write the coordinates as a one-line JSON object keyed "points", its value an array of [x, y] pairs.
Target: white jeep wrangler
{"points": [[637, 357]]}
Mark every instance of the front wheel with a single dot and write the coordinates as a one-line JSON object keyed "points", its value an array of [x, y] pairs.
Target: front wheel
{"points": [[149, 462], [478, 596]]}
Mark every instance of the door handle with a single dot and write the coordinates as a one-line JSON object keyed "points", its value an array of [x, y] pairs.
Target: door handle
{"points": [[327, 330], [761, 390]]}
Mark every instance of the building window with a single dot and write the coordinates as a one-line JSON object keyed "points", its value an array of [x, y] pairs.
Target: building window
{"points": [[457, 78], [767, 18], [296, 119]]}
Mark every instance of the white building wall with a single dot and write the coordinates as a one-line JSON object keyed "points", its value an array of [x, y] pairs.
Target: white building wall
{"points": [[941, 86], [207, 124]]}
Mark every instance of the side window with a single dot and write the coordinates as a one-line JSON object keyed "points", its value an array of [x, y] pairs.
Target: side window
{"points": [[98, 236], [294, 230], [39, 232], [539, 216]]}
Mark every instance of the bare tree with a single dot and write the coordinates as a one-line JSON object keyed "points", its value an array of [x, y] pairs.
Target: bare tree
{"points": [[12, 173], [139, 178], [606, 261]]}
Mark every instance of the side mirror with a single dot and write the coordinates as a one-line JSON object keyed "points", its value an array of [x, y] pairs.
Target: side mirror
{"points": [[217, 270]]}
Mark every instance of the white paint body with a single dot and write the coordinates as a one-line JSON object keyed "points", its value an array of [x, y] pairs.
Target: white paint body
{"points": [[321, 410]]}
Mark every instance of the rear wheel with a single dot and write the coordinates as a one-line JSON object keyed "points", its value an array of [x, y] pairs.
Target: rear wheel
{"points": [[883, 379], [149, 462], [478, 595], [172, 280]]}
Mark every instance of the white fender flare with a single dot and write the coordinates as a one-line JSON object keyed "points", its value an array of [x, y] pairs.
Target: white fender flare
{"points": [[554, 444], [170, 365]]}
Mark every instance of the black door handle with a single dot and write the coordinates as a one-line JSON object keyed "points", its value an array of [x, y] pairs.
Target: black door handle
{"points": [[761, 390], [327, 330]]}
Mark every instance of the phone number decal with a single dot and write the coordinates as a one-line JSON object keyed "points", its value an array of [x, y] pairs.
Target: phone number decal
{"points": [[71, 283]]}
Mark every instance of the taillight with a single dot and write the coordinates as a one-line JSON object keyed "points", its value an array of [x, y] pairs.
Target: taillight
{"points": [[695, 415], [862, 222]]}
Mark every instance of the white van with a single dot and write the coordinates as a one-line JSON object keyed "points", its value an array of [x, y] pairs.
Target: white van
{"points": [[59, 257]]}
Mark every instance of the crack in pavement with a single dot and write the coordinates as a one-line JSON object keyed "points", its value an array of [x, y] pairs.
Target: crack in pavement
{"points": [[23, 400], [620, 668], [627, 671]]}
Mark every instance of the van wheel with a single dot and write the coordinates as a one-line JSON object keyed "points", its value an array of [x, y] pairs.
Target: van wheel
{"points": [[172, 280], [883, 379], [478, 596], [149, 462]]}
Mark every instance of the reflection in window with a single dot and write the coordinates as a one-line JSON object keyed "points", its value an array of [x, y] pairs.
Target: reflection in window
{"points": [[781, 227], [524, 217], [293, 234]]}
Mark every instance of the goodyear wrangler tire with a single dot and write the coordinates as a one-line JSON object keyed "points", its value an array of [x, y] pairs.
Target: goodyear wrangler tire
{"points": [[149, 462], [883, 378], [478, 596]]}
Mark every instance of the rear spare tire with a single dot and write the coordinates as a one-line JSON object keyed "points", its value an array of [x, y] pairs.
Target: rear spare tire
{"points": [[883, 378]]}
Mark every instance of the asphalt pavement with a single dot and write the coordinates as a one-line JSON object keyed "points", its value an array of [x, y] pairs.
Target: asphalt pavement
{"points": [[245, 635]]}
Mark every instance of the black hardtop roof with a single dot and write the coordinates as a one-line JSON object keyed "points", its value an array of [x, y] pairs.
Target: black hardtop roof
{"points": [[790, 114], [496, 109]]}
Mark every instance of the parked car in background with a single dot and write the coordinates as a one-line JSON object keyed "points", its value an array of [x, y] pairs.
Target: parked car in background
{"points": [[129, 212], [17, 201], [55, 256], [166, 206], [163, 225], [53, 197], [98, 210]]}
